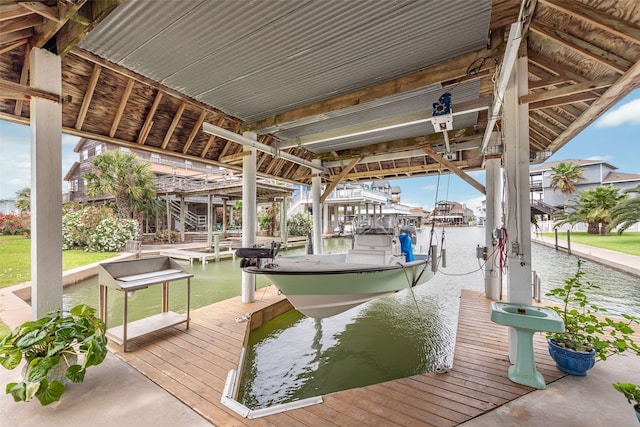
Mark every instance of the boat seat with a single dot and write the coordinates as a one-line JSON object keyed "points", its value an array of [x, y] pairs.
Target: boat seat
{"points": [[367, 256]]}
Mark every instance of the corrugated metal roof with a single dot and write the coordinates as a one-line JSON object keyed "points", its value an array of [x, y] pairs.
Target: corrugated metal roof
{"points": [[253, 59]]}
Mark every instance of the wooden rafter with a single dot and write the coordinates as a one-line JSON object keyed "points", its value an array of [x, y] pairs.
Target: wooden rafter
{"points": [[31, 21], [121, 107], [544, 83], [584, 48], [51, 27], [553, 115], [148, 121], [234, 158], [597, 18], [334, 183], [12, 11], [194, 131], [24, 77], [212, 138], [174, 124], [562, 100], [568, 90], [88, 95], [12, 46], [455, 169], [41, 9]]}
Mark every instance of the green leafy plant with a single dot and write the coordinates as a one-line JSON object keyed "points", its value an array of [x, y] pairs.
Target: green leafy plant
{"points": [[51, 343], [631, 392], [584, 329]]}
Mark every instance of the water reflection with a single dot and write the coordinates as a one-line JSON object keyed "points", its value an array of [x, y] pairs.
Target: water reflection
{"points": [[389, 338]]}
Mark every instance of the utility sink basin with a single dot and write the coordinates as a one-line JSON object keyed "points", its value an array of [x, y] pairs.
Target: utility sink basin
{"points": [[526, 320], [526, 317]]}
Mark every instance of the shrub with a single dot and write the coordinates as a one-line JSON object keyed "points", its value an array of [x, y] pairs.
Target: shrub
{"points": [[299, 224], [96, 229], [162, 236], [14, 225]]}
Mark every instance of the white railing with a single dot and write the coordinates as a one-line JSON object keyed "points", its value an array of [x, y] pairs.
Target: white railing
{"points": [[549, 226]]}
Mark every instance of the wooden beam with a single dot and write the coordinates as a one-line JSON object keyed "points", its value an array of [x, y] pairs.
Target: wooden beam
{"points": [[41, 9], [121, 107], [446, 70], [453, 168], [10, 47], [556, 69], [93, 81], [24, 78], [16, 36], [174, 124], [212, 138], [26, 92], [12, 11], [234, 158], [568, 90], [20, 24], [544, 83], [584, 48], [50, 28], [334, 183], [569, 99], [626, 30], [624, 85], [148, 121], [194, 131]]}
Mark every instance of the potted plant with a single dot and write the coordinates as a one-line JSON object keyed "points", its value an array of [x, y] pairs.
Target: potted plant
{"points": [[51, 346], [587, 336], [631, 393]]}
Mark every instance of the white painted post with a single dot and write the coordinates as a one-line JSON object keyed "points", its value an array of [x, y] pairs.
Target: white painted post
{"points": [[316, 190], [249, 214], [515, 121], [183, 208], [210, 219], [493, 274], [46, 185]]}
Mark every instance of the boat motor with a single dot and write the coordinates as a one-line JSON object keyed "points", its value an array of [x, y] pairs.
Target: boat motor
{"points": [[252, 256]]}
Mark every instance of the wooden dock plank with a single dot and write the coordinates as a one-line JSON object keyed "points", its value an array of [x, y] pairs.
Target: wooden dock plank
{"points": [[192, 365]]}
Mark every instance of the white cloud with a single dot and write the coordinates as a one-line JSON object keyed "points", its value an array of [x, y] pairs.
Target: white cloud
{"points": [[628, 113], [474, 203]]}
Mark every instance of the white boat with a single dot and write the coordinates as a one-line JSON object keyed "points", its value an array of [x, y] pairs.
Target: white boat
{"points": [[325, 285]]}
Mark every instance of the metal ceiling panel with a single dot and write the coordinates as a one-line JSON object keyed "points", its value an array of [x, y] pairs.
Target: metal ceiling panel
{"points": [[252, 59], [399, 105]]}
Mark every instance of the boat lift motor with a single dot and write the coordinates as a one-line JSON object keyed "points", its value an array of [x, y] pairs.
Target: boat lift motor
{"points": [[442, 118]]}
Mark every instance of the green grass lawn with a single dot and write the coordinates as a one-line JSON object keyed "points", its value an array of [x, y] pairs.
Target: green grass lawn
{"points": [[15, 259], [628, 243]]}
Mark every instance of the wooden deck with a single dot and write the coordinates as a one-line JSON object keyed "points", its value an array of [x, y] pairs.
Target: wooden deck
{"points": [[193, 366]]}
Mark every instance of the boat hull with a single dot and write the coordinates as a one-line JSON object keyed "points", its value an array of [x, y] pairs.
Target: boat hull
{"points": [[323, 286]]}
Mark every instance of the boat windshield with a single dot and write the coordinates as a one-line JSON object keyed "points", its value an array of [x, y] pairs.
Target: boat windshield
{"points": [[381, 225]]}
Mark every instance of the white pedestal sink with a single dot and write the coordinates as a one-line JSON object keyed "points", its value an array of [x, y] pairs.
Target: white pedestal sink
{"points": [[526, 320]]}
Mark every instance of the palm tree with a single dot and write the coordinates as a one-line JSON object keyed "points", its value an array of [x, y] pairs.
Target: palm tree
{"points": [[626, 212], [123, 176], [23, 202], [593, 207], [564, 176]]}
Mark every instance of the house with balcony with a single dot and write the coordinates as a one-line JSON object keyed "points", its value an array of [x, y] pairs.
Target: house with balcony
{"points": [[185, 185], [595, 173], [451, 213]]}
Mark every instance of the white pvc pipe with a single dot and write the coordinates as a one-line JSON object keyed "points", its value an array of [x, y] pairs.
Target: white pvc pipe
{"points": [[247, 142]]}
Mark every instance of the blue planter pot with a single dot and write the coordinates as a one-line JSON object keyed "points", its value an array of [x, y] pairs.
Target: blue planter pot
{"points": [[570, 361]]}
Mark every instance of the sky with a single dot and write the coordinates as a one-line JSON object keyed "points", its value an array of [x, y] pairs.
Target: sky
{"points": [[614, 138]]}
